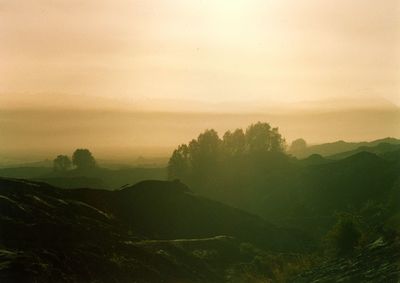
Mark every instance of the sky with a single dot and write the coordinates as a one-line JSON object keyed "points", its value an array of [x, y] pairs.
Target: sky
{"points": [[249, 57]]}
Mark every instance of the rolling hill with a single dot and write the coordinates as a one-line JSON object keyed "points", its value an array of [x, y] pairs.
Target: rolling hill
{"points": [[151, 232], [338, 147], [99, 177], [380, 149]]}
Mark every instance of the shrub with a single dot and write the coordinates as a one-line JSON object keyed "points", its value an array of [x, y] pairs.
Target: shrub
{"points": [[344, 236]]}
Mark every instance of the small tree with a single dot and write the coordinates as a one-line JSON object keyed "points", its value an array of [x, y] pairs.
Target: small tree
{"points": [[62, 163], [298, 145], [83, 159]]}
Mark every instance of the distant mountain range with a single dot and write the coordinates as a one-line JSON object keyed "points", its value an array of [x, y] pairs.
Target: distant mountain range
{"points": [[341, 149]]}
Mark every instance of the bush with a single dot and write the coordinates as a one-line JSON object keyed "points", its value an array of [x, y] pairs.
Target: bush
{"points": [[344, 236]]}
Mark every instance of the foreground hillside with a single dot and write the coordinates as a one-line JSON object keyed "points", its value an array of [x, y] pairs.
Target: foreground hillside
{"points": [[159, 231], [152, 232], [378, 262]]}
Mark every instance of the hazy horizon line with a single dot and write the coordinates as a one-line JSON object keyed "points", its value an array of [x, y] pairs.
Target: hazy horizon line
{"points": [[67, 102], [133, 156]]}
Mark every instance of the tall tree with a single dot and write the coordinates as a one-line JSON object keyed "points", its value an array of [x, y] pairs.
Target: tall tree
{"points": [[178, 164], [204, 152], [83, 159], [260, 137], [234, 143]]}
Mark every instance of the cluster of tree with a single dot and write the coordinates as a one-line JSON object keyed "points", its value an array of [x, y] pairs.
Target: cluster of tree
{"points": [[82, 159], [209, 159]]}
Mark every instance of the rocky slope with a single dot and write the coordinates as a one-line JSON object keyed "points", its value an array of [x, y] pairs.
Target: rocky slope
{"points": [[378, 262]]}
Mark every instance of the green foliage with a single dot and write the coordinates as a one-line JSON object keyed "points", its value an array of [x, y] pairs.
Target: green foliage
{"points": [[83, 159], [260, 137], [210, 162], [62, 163], [344, 236], [234, 143], [178, 164]]}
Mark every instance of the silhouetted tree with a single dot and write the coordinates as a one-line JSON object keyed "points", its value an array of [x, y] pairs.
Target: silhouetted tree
{"points": [[83, 159], [260, 137], [207, 147], [209, 161], [204, 153], [178, 164], [61, 163], [234, 144]]}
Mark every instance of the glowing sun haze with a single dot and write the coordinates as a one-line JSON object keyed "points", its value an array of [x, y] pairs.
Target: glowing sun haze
{"points": [[200, 55]]}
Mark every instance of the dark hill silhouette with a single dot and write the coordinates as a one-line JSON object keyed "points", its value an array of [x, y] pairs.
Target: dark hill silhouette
{"points": [[328, 149], [100, 178], [314, 159], [306, 194], [380, 149], [392, 155], [166, 210], [362, 156], [24, 172], [347, 182], [351, 181], [72, 182], [151, 232]]}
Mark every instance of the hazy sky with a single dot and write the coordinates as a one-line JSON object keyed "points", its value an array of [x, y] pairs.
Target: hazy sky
{"points": [[185, 55], [277, 50]]}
